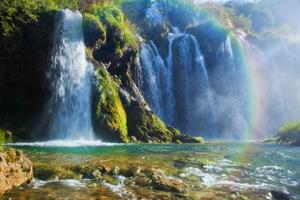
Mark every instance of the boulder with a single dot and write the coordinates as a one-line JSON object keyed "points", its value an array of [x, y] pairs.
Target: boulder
{"points": [[166, 183], [15, 169]]}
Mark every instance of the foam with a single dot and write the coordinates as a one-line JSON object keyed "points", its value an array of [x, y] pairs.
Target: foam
{"points": [[65, 143]]}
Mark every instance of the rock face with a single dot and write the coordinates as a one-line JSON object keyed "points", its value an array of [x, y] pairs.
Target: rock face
{"points": [[15, 169], [109, 117]]}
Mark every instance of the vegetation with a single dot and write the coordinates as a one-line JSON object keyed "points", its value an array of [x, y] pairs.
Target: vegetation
{"points": [[113, 19], [94, 31], [288, 134], [14, 13], [293, 126], [110, 116], [5, 136]]}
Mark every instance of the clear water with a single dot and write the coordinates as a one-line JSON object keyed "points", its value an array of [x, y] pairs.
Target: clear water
{"points": [[234, 165]]}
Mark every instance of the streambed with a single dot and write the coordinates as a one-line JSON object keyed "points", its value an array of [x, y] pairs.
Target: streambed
{"points": [[160, 171]]}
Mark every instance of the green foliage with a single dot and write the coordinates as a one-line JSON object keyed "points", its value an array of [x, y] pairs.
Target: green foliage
{"points": [[94, 31], [113, 18], [289, 133], [14, 13], [293, 126], [5, 136], [200, 139], [110, 112]]}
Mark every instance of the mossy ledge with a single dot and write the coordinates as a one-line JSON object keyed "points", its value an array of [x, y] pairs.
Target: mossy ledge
{"points": [[289, 134]]}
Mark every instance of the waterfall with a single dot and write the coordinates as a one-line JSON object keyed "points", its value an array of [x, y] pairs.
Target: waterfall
{"points": [[70, 84], [177, 88], [154, 73]]}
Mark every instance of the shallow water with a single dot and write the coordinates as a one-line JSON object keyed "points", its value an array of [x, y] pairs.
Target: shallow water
{"points": [[238, 167]]}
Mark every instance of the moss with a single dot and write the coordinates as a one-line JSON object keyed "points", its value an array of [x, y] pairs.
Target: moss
{"points": [[94, 31], [53, 172], [110, 117], [293, 126], [289, 133], [12, 155], [200, 139], [122, 31], [146, 126], [5, 136]]}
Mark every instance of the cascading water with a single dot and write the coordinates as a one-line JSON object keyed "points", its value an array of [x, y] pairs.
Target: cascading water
{"points": [[69, 75], [178, 92], [154, 72], [217, 101]]}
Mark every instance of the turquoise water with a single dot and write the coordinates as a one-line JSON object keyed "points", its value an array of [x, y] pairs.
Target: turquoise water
{"points": [[234, 165]]}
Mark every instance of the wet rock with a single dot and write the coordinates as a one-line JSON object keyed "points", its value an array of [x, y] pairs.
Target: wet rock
{"points": [[15, 169], [187, 139], [96, 173], [166, 183], [179, 164], [278, 195], [94, 31]]}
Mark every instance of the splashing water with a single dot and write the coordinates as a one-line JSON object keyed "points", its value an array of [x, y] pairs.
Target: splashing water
{"points": [[69, 75]]}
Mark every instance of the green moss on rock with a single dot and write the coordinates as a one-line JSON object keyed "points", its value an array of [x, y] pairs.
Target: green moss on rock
{"points": [[145, 126], [290, 134], [120, 32], [110, 122], [94, 31], [5, 136]]}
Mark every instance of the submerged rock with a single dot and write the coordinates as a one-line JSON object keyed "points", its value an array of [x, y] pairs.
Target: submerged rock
{"points": [[166, 183], [277, 195], [15, 169]]}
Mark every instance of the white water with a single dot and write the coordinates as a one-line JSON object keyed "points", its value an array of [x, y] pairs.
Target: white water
{"points": [[179, 85], [69, 75], [154, 74], [64, 143]]}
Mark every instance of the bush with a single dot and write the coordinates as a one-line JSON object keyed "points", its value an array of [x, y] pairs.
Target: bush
{"points": [[113, 18], [293, 126], [14, 13]]}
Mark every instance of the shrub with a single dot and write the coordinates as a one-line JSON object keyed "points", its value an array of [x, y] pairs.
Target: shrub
{"points": [[293, 126], [14, 13], [113, 18]]}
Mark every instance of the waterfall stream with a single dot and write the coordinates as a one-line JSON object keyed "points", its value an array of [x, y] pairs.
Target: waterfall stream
{"points": [[69, 75], [177, 88]]}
